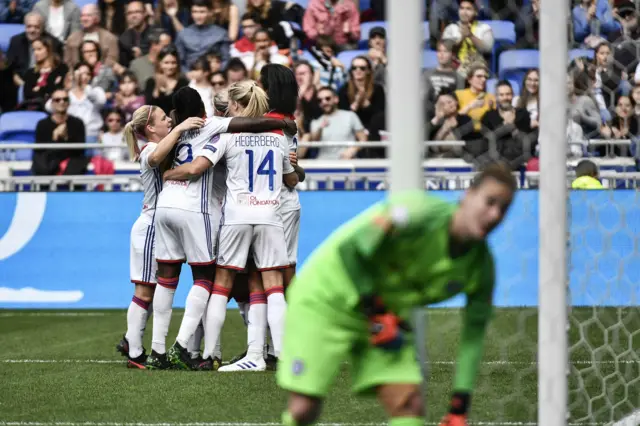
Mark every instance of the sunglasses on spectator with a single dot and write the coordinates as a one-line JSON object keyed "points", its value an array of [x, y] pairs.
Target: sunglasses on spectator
{"points": [[359, 67], [57, 100], [326, 99]]}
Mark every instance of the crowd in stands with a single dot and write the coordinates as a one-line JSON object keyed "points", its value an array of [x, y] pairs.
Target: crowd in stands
{"points": [[90, 65]]}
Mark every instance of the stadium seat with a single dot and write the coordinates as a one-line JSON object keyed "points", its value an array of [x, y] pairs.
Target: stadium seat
{"points": [[347, 56], [364, 5], [504, 34], [6, 32], [307, 56], [429, 59], [514, 63], [493, 82], [581, 53], [20, 127]]}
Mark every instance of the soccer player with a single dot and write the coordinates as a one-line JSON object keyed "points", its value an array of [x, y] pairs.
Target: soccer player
{"points": [[149, 141], [187, 216], [355, 294], [255, 164]]}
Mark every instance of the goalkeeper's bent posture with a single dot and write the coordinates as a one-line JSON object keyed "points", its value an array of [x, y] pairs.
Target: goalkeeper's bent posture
{"points": [[355, 294]]}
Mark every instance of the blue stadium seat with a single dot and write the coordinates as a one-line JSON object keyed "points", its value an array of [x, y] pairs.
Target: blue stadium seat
{"points": [[364, 5], [429, 59], [307, 56], [365, 28], [493, 82], [81, 3], [514, 63], [20, 127], [302, 3], [581, 53], [347, 56], [504, 34], [6, 32]]}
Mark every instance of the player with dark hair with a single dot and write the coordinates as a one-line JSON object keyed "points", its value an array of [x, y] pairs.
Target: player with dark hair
{"points": [[586, 176], [356, 292], [187, 217]]}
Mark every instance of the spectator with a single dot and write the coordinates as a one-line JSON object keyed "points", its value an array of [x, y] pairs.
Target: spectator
{"points": [[14, 11], [128, 99], [134, 41], [225, 15], [103, 75], [361, 95], [575, 138], [166, 80], [201, 37], [584, 110], [635, 99], [335, 125], [144, 66], [338, 19], [235, 71], [527, 25], [376, 128], [61, 17], [332, 71], [20, 53], [112, 16], [113, 135], [624, 126], [107, 42], [472, 38], [86, 101], [64, 128], [378, 54], [46, 76], [173, 16], [308, 105], [591, 19], [448, 125], [9, 97], [529, 98], [218, 82], [475, 101], [507, 130], [214, 60], [266, 53], [271, 13], [250, 24], [200, 82], [443, 78], [626, 52], [606, 79]]}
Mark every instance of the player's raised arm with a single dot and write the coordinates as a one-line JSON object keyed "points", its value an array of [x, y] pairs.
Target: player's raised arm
{"points": [[207, 157], [477, 314], [261, 124], [168, 142]]}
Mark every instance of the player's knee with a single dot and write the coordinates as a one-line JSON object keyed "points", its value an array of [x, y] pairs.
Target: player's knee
{"points": [[305, 410], [401, 400], [271, 279], [224, 277], [145, 292], [169, 270]]}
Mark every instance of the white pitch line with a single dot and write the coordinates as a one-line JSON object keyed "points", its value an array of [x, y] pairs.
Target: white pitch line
{"points": [[631, 420], [491, 363]]}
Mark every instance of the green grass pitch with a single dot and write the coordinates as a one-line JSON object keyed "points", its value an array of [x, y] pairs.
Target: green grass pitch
{"points": [[63, 369]]}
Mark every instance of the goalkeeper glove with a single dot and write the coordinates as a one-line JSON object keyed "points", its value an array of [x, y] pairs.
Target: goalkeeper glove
{"points": [[386, 328], [458, 411]]}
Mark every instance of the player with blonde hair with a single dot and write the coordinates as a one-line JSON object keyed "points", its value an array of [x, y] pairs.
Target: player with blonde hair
{"points": [[149, 140], [257, 164]]}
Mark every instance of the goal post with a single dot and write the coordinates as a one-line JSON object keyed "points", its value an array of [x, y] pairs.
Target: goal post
{"points": [[552, 276]]}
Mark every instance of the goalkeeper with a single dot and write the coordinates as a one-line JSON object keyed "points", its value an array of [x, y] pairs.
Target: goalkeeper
{"points": [[355, 294]]}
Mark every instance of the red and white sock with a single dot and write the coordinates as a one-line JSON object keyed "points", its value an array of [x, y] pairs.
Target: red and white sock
{"points": [[194, 307], [162, 309], [276, 308], [256, 323], [136, 322], [216, 314]]}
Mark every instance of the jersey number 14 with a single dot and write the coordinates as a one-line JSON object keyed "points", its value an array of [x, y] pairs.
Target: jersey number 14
{"points": [[266, 167]]}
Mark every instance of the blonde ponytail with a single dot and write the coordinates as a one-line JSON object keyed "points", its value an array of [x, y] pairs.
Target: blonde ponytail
{"points": [[136, 129], [251, 97]]}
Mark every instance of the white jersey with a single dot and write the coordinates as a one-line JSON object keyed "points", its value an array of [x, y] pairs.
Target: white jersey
{"points": [[151, 179], [194, 195], [289, 199], [256, 163]]}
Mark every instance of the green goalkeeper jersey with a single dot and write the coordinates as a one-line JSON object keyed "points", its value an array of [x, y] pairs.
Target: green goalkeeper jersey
{"points": [[401, 250]]}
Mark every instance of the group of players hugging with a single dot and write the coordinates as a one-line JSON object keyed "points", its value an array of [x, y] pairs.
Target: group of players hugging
{"points": [[219, 194]]}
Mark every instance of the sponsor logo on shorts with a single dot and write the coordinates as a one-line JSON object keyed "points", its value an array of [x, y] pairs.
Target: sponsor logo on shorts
{"points": [[297, 368]]}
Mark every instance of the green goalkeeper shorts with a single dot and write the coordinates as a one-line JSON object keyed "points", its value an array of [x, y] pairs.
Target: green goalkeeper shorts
{"points": [[319, 338]]}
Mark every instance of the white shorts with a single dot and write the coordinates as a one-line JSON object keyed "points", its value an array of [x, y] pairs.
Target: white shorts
{"points": [[291, 223], [183, 235], [142, 262], [266, 242]]}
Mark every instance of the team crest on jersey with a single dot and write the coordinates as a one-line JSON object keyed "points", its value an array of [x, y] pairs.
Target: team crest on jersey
{"points": [[297, 368], [215, 138]]}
